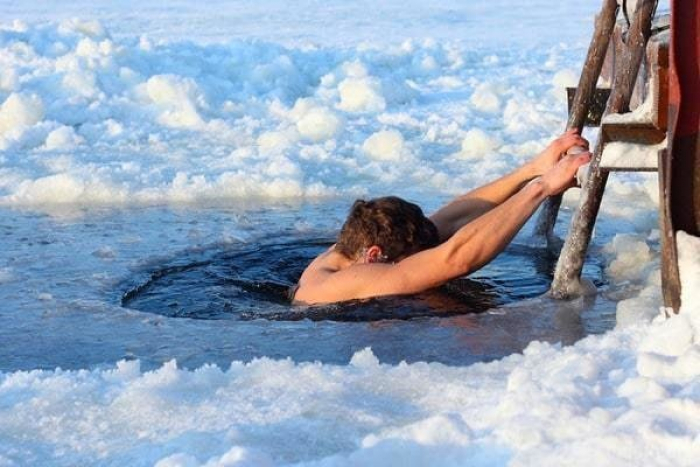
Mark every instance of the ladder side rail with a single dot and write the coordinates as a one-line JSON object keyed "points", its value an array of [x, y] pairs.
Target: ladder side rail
{"points": [[570, 263], [604, 25]]}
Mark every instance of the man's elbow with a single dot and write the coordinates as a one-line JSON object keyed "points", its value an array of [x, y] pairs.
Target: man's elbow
{"points": [[444, 228]]}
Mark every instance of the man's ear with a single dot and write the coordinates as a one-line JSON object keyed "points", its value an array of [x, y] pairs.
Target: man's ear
{"points": [[374, 254]]}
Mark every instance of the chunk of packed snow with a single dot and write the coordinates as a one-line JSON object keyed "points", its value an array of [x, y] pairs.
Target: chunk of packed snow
{"points": [[477, 144], [275, 142], [524, 114], [19, 111], [485, 98], [361, 95], [689, 267], [385, 145], [65, 188], [564, 79], [178, 99], [630, 155], [5, 275], [63, 138], [318, 124], [632, 258]]}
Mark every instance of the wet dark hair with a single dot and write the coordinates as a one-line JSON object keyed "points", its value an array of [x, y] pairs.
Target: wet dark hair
{"points": [[398, 227]]}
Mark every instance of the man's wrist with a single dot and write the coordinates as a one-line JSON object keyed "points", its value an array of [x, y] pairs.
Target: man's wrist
{"points": [[528, 171], [537, 188]]}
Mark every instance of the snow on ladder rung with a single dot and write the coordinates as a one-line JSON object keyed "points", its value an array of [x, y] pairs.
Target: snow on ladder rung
{"points": [[634, 139], [631, 157]]}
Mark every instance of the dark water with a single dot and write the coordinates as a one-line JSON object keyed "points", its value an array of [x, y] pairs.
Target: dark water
{"points": [[252, 282], [211, 288]]}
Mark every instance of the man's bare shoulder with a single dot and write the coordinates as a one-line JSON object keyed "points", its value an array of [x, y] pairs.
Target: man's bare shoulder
{"points": [[313, 280], [330, 278], [328, 262], [326, 283]]}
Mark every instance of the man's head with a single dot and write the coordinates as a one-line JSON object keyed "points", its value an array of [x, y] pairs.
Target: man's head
{"points": [[396, 226]]}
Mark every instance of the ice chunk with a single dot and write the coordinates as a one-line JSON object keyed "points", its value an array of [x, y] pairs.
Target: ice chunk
{"points": [[5, 275], [361, 95], [632, 258], [319, 124], [19, 111], [365, 359], [485, 98], [443, 429], [563, 79], [63, 138], [64, 188], [689, 266], [275, 142], [90, 28], [477, 144], [9, 79], [178, 98], [82, 83], [385, 145], [522, 114]]}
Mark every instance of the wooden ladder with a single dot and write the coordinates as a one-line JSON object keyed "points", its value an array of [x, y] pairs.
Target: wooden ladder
{"points": [[628, 59]]}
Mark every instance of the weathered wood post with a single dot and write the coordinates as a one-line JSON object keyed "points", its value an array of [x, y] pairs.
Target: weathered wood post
{"points": [[679, 171], [605, 22], [568, 270]]}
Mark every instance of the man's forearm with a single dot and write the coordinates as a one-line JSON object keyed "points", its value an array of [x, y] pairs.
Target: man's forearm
{"points": [[480, 241], [503, 188], [479, 201], [470, 206]]}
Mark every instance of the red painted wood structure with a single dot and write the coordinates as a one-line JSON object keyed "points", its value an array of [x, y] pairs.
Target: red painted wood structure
{"points": [[679, 170]]}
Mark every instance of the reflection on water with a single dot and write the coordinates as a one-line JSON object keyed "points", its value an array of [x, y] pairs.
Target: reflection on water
{"points": [[252, 282]]}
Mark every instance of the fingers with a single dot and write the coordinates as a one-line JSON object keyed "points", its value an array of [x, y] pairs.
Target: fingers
{"points": [[574, 140], [581, 141], [563, 175], [580, 161], [575, 150], [584, 156], [571, 138], [575, 161], [573, 133]]}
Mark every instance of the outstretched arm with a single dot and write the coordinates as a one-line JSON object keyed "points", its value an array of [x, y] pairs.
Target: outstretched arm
{"points": [[470, 248], [464, 209]]}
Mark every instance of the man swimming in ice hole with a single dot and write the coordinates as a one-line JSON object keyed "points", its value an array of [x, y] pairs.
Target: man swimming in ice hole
{"points": [[388, 247]]}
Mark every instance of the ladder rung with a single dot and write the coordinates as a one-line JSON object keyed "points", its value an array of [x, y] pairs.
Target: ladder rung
{"points": [[632, 132], [628, 157]]}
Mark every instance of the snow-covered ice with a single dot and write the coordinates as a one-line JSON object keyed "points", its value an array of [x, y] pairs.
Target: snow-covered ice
{"points": [[132, 132], [90, 119], [627, 398]]}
